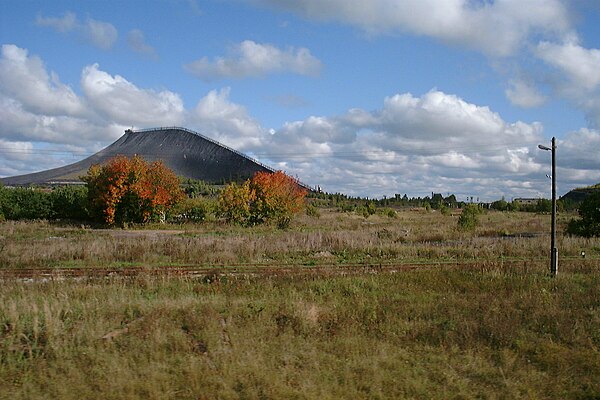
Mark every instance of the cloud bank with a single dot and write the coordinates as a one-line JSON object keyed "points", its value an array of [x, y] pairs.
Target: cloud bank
{"points": [[497, 28], [411, 144]]}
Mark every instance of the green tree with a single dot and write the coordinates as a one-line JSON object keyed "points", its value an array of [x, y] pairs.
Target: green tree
{"points": [[543, 206], [500, 205], [469, 217], [69, 202], [27, 203], [589, 223]]}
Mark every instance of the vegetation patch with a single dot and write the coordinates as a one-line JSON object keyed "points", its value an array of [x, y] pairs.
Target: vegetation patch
{"points": [[420, 334]]}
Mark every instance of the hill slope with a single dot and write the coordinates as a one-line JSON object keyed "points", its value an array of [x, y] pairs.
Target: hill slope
{"points": [[580, 194], [188, 153]]}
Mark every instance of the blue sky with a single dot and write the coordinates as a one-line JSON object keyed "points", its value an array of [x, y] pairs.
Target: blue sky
{"points": [[367, 98]]}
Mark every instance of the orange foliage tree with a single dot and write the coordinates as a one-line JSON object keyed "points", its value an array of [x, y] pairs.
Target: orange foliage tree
{"points": [[131, 190], [266, 197]]}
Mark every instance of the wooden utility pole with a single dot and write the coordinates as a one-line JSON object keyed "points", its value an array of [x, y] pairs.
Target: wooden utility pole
{"points": [[554, 254], [553, 249]]}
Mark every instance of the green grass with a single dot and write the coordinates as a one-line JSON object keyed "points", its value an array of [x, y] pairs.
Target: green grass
{"points": [[422, 334]]}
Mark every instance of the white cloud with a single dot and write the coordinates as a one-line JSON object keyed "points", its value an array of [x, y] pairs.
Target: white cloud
{"points": [[15, 151], [219, 118], [497, 28], [25, 79], [251, 59], [120, 101], [411, 144], [524, 94], [137, 42], [97, 33], [579, 78], [36, 109], [581, 65], [66, 23], [101, 34], [579, 150]]}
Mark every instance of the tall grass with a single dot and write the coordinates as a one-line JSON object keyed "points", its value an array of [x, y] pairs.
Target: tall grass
{"points": [[493, 329], [423, 334], [332, 238]]}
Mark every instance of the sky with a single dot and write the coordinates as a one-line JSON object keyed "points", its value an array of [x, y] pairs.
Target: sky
{"points": [[367, 98]]}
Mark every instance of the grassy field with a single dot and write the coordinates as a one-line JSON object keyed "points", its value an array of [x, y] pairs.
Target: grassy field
{"points": [[482, 327]]}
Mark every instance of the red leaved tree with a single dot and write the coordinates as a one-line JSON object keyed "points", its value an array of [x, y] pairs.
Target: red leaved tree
{"points": [[131, 190]]}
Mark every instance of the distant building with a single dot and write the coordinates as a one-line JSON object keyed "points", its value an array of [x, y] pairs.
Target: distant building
{"points": [[526, 201]]}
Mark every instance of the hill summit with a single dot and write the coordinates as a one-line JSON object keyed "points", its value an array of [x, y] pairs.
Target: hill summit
{"points": [[189, 154]]}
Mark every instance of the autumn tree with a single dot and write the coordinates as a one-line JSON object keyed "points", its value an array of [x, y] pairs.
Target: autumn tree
{"points": [[266, 197], [235, 203], [131, 190]]}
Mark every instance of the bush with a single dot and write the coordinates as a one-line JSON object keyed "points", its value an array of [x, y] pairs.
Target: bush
{"points": [[469, 217], [444, 210], [235, 203], [391, 213], [267, 197], [196, 209], [69, 202], [589, 224], [543, 206], [26, 203], [313, 211], [500, 205], [130, 190]]}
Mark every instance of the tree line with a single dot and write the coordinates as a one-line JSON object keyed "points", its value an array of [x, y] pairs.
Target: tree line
{"points": [[131, 190]]}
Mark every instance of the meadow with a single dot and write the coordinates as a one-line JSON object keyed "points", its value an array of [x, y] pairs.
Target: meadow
{"points": [[476, 316]]}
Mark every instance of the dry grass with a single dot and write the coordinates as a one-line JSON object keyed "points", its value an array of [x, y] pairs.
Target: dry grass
{"points": [[493, 330], [333, 238], [425, 334]]}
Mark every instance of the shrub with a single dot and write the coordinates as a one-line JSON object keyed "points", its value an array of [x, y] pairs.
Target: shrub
{"points": [[26, 203], [312, 211], [543, 206], [131, 190], [235, 203], [589, 224], [195, 209], [266, 197], [444, 210], [69, 202], [469, 217], [500, 205], [391, 213]]}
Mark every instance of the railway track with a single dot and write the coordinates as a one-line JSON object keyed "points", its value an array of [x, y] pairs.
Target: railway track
{"points": [[251, 269]]}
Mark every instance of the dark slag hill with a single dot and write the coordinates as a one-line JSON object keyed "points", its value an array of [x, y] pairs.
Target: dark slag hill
{"points": [[188, 153]]}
